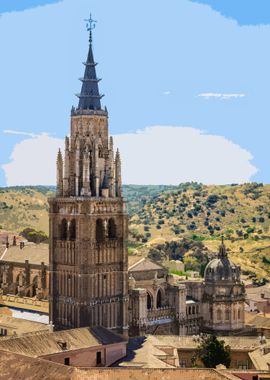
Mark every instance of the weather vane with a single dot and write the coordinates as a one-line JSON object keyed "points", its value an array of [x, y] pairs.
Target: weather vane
{"points": [[90, 25]]}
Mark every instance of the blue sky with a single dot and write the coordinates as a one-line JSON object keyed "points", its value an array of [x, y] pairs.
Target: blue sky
{"points": [[201, 64]]}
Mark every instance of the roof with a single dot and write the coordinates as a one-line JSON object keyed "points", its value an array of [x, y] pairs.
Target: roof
{"points": [[89, 95], [14, 366], [34, 253], [48, 343], [255, 293], [21, 326], [260, 322], [144, 264], [248, 343], [260, 360]]}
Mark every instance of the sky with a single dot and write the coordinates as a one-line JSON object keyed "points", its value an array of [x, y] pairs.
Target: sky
{"points": [[186, 85]]}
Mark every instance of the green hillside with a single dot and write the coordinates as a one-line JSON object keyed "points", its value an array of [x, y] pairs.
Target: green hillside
{"points": [[172, 222]]}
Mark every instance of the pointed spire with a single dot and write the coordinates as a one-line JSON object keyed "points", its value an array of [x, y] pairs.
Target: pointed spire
{"points": [[222, 249], [59, 172], [89, 97]]}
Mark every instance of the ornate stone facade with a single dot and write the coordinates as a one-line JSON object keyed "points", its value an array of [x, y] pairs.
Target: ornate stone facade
{"points": [[160, 304], [224, 295], [24, 271], [88, 221]]}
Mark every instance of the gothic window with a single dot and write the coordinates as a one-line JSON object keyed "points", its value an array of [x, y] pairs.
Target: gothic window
{"points": [[193, 309], [63, 230], [149, 302], [219, 315], [234, 314], [159, 299], [239, 314], [99, 231], [227, 315], [111, 229], [72, 230]]}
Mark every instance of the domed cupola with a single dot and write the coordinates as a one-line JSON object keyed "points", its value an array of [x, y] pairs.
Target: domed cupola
{"points": [[221, 268]]}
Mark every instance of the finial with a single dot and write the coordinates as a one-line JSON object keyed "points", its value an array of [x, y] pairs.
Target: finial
{"points": [[222, 249], [91, 24]]}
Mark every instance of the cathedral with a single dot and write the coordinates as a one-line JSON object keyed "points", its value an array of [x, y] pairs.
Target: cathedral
{"points": [[90, 282], [88, 221]]}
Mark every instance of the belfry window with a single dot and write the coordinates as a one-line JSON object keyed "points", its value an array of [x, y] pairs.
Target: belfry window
{"points": [[72, 230], [63, 230], [111, 229], [99, 231]]}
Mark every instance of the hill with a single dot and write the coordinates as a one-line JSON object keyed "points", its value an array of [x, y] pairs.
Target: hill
{"points": [[202, 214], [172, 222]]}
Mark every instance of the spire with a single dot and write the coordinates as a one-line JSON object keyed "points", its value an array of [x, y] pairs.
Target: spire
{"points": [[59, 173], [222, 249], [89, 97]]}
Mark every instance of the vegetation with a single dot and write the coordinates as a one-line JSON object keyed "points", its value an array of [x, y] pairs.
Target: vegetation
{"points": [[35, 236], [212, 352], [182, 222]]}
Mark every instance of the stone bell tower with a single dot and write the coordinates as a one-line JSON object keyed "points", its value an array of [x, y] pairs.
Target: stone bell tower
{"points": [[88, 221]]}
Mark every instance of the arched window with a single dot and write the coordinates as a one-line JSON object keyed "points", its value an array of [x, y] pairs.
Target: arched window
{"points": [[227, 315], [111, 229], [99, 231], [234, 315], [219, 315], [72, 230], [63, 230], [149, 302], [159, 299], [193, 309], [239, 314]]}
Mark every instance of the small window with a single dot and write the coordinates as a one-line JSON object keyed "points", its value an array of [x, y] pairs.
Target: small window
{"points": [[98, 358], [67, 361], [183, 363]]}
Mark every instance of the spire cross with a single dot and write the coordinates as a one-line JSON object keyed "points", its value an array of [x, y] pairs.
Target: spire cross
{"points": [[91, 24]]}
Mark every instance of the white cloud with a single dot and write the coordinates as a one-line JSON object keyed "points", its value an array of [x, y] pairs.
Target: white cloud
{"points": [[19, 133], [33, 161], [209, 95], [166, 92], [155, 155], [170, 155]]}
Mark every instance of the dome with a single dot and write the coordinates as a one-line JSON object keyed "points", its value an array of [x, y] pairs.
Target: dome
{"points": [[221, 268]]}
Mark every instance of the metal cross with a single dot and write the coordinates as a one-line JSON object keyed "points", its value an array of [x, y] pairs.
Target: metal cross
{"points": [[91, 24]]}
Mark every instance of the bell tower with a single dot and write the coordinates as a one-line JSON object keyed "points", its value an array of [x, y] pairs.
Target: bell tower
{"points": [[88, 221]]}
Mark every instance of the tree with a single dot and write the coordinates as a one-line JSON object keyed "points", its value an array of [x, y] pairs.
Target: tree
{"points": [[212, 352], [34, 236]]}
